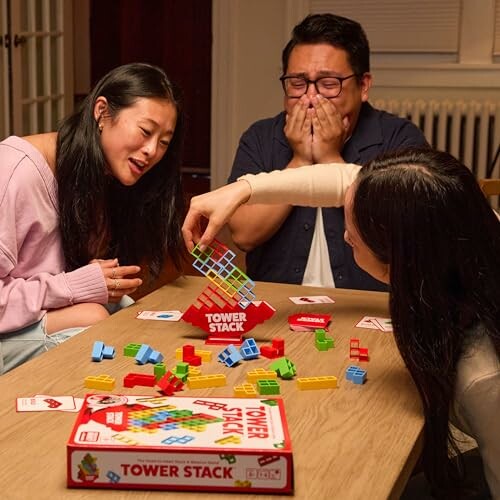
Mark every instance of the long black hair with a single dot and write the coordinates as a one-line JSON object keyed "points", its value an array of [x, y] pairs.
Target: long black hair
{"points": [[422, 212], [139, 224]]}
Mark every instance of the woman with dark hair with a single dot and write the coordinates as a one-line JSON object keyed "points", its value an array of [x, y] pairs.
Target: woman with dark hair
{"points": [[105, 187], [418, 221]]}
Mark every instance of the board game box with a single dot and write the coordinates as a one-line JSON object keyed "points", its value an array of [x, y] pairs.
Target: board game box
{"points": [[181, 443]]}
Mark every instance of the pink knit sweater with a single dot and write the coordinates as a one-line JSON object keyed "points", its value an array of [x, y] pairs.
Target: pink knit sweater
{"points": [[32, 277]]}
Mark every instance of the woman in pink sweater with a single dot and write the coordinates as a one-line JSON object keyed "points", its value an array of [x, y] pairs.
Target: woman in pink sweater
{"points": [[82, 207]]}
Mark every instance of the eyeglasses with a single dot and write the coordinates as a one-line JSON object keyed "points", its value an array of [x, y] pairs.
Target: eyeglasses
{"points": [[327, 86]]}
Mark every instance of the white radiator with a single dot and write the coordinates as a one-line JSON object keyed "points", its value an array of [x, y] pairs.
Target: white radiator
{"points": [[469, 130]]}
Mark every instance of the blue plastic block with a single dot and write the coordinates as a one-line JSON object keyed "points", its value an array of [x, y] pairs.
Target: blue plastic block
{"points": [[108, 352], [230, 356], [355, 374], [249, 349], [97, 350], [142, 357], [155, 357]]}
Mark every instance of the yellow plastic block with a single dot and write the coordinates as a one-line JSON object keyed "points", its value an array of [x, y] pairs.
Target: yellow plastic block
{"points": [[244, 391], [101, 382], [194, 371], [203, 381], [260, 374], [229, 440], [309, 383], [205, 356]]}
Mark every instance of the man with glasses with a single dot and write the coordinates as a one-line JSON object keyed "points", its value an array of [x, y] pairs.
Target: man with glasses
{"points": [[327, 118]]}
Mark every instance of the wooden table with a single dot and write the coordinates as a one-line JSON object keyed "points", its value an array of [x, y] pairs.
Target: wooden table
{"points": [[351, 442]]}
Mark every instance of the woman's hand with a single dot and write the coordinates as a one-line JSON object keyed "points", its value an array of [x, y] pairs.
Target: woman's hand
{"points": [[217, 206], [116, 278]]}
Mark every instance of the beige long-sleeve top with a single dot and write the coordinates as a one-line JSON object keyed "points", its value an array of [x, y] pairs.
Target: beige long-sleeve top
{"points": [[476, 406], [310, 186]]}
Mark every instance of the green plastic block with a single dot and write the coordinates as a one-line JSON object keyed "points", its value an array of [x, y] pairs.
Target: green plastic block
{"points": [[131, 350], [159, 370], [268, 387]]}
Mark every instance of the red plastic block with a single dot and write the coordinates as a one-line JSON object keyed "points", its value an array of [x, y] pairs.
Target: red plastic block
{"points": [[279, 344], [169, 384], [357, 352], [133, 379], [193, 360], [269, 352], [187, 352]]}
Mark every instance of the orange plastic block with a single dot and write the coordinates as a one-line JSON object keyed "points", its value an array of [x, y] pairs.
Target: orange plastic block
{"points": [[309, 383], [102, 382]]}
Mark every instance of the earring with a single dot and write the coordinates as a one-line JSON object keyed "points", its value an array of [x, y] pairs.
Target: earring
{"points": [[101, 126]]}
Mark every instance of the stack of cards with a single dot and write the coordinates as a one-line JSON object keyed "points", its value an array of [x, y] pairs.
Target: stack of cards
{"points": [[308, 322], [373, 323]]}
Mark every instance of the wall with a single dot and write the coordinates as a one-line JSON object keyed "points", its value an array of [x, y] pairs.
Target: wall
{"points": [[249, 36]]}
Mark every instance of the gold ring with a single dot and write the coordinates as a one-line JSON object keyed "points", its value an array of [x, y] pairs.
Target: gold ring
{"points": [[113, 274], [117, 284]]}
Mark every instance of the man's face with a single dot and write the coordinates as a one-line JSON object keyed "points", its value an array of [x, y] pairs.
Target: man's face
{"points": [[318, 60]]}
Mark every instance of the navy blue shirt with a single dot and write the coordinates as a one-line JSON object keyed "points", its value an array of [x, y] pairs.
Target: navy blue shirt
{"points": [[283, 258]]}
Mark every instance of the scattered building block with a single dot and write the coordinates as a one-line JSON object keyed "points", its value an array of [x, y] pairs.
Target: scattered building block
{"points": [[108, 352], [357, 352], [169, 384], [181, 371], [203, 381], [230, 356], [309, 383], [322, 341], [205, 355], [260, 374], [101, 382], [268, 387], [356, 374], [249, 349], [159, 370], [284, 368], [244, 391], [97, 350], [194, 371], [269, 352], [155, 357], [143, 355], [279, 345], [143, 379], [187, 351], [131, 350]]}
